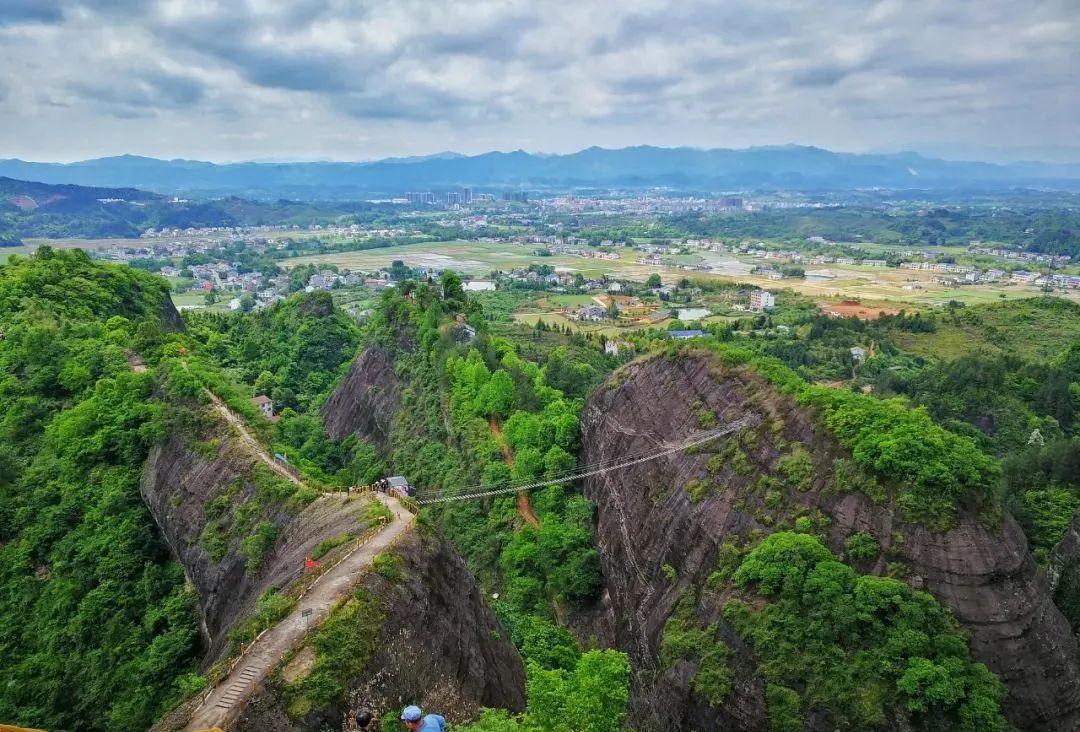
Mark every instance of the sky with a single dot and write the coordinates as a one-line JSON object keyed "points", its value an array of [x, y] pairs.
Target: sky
{"points": [[349, 80]]}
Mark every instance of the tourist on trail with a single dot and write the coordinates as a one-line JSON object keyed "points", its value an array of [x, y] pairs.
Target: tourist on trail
{"points": [[417, 721]]}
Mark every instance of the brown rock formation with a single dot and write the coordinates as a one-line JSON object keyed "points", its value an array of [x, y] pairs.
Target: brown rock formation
{"points": [[439, 647], [646, 520], [366, 399], [179, 484]]}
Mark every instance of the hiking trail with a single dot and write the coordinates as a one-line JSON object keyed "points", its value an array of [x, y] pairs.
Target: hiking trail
{"points": [[223, 704]]}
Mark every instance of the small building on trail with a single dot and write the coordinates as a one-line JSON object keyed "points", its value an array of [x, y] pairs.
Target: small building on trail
{"points": [[398, 486], [265, 405]]}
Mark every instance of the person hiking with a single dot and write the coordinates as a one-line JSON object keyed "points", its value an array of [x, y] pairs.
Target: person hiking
{"points": [[417, 721]]}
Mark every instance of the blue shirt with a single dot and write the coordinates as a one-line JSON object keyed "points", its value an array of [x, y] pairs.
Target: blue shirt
{"points": [[433, 723]]}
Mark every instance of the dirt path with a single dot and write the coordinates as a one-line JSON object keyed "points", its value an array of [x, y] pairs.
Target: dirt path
{"points": [[224, 703], [135, 362], [253, 444], [524, 505]]}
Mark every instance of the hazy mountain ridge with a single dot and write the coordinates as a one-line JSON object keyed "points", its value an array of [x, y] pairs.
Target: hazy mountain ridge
{"points": [[773, 167]]}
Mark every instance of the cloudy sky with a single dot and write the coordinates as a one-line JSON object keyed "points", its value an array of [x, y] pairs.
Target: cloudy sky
{"points": [[353, 80]]}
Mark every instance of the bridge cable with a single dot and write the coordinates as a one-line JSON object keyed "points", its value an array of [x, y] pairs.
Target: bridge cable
{"points": [[437, 496]]}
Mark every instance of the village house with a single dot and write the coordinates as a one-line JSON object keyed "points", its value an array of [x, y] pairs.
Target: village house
{"points": [[612, 348], [591, 313], [762, 300]]}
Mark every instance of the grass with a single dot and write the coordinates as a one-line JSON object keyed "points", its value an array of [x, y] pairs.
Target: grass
{"points": [[1033, 328], [344, 644], [572, 301]]}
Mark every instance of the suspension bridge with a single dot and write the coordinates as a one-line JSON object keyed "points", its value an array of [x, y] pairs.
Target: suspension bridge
{"points": [[223, 702], [449, 495]]}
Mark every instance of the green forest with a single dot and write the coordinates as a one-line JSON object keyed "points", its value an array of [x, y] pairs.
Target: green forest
{"points": [[99, 631]]}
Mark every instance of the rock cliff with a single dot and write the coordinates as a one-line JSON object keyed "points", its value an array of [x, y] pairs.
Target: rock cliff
{"points": [[189, 485], [366, 400], [1064, 573], [648, 520], [438, 646]]}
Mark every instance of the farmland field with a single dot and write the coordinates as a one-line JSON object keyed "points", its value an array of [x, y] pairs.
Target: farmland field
{"points": [[852, 281]]}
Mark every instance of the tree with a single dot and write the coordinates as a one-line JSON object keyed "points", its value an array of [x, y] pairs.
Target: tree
{"points": [[451, 287], [496, 397], [558, 461], [653, 280], [612, 309], [210, 298], [265, 383]]}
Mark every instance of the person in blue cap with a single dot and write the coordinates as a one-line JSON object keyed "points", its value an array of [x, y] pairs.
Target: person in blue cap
{"points": [[417, 721]]}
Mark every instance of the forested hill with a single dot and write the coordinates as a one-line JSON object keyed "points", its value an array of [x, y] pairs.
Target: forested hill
{"points": [[95, 623], [29, 209]]}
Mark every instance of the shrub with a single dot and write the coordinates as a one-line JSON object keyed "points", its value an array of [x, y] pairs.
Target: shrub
{"points": [[713, 675], [697, 489], [797, 469], [214, 542], [325, 546], [387, 566], [344, 644], [257, 546], [862, 547]]}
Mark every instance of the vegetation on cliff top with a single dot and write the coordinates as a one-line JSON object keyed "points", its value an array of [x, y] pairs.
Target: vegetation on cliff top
{"points": [[95, 623], [862, 647], [933, 472]]}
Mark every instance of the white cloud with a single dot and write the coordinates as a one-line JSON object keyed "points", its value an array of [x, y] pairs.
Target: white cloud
{"points": [[321, 78]]}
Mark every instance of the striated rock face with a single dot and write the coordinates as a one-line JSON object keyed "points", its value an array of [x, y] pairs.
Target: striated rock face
{"points": [[985, 575], [439, 647], [366, 399], [1064, 571], [170, 316], [180, 483]]}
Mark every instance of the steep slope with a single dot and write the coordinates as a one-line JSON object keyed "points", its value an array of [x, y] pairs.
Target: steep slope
{"points": [[96, 624], [662, 526], [365, 401], [426, 637], [1064, 572], [211, 496], [229, 695]]}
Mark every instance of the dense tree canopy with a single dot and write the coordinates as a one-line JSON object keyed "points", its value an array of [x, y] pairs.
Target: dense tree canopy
{"points": [[96, 626]]}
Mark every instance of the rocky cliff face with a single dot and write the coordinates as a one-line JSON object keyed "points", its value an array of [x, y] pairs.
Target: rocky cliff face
{"points": [[1064, 573], [170, 316], [647, 520], [188, 485], [366, 400], [439, 646]]}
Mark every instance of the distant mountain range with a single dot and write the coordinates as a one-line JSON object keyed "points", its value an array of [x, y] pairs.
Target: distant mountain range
{"points": [[787, 167], [32, 209]]}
